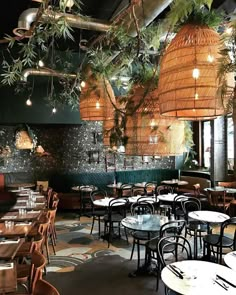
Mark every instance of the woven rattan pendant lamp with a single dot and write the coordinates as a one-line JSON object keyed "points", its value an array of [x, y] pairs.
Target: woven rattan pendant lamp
{"points": [[188, 81], [150, 134], [95, 99]]}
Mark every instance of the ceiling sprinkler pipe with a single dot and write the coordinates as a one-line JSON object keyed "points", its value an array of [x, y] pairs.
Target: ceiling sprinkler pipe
{"points": [[45, 72]]}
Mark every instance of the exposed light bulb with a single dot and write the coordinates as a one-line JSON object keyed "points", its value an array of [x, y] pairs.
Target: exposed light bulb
{"points": [[196, 73], [229, 30], [54, 110], [97, 105], [210, 58], [194, 110], [41, 63], [196, 95], [152, 124], [68, 3], [82, 84], [28, 102]]}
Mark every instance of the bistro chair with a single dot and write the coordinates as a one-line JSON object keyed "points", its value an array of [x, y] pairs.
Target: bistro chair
{"points": [[85, 201], [150, 188], [29, 273], [164, 207], [178, 245], [218, 201], [171, 228], [97, 212], [138, 191], [112, 220], [140, 237], [126, 190], [43, 287], [216, 243], [194, 228]]}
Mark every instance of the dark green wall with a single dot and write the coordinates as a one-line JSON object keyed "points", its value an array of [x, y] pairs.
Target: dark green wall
{"points": [[13, 109]]}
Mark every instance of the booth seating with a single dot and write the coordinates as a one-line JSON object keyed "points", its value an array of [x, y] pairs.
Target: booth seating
{"points": [[192, 180]]}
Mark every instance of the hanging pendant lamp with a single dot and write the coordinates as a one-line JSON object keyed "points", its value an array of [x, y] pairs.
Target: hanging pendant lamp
{"points": [[96, 99], [188, 81], [151, 134]]}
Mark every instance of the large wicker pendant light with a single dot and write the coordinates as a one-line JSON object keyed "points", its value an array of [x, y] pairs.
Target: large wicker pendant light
{"points": [[188, 81], [151, 134], [95, 99]]}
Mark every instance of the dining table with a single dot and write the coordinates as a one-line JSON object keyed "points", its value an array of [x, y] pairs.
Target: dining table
{"points": [[8, 275], [15, 216], [194, 277], [208, 217], [19, 229], [9, 247], [174, 183], [149, 223], [20, 185], [230, 260]]}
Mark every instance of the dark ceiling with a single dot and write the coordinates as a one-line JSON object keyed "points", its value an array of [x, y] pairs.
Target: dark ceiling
{"points": [[99, 9]]}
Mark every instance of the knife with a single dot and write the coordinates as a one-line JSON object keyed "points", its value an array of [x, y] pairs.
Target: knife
{"points": [[231, 284], [215, 281], [174, 271]]}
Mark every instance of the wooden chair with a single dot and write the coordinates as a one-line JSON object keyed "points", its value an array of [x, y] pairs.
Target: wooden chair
{"points": [[28, 274], [43, 287], [218, 201]]}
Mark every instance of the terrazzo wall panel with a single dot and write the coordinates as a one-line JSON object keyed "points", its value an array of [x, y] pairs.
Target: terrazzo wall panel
{"points": [[68, 147]]}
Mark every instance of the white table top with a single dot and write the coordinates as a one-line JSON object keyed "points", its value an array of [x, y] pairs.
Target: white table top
{"points": [[228, 190], [150, 199], [167, 197], [199, 278], [83, 188], [230, 260], [209, 216], [175, 182], [149, 222]]}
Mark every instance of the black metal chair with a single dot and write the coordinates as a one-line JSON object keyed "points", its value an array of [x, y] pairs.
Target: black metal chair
{"points": [[150, 188], [194, 228], [216, 243], [164, 206], [97, 212], [116, 212], [139, 237], [171, 228], [179, 246], [85, 201], [125, 190]]}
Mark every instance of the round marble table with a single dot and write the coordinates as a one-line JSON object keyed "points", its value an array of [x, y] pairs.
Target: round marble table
{"points": [[148, 222], [167, 197], [200, 277], [230, 260]]}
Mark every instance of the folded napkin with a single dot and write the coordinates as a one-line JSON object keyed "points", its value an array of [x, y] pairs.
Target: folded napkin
{"points": [[5, 242], [33, 212], [40, 203], [6, 266], [21, 201], [23, 223], [23, 194], [9, 217], [35, 193]]}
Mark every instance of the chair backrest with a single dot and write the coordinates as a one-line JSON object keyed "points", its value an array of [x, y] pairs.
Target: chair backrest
{"points": [[118, 205], [38, 262], [173, 227], [138, 191], [224, 225], [126, 190], [191, 204], [162, 190], [142, 207], [42, 185], [150, 188], [177, 205], [179, 246], [43, 287], [98, 194], [229, 184], [217, 198]]}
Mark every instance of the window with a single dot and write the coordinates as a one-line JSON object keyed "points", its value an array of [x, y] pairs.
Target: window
{"points": [[230, 143], [206, 144]]}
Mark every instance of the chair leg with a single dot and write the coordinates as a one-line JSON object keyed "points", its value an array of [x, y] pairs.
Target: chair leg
{"points": [[91, 231], [138, 252], [132, 252], [99, 226]]}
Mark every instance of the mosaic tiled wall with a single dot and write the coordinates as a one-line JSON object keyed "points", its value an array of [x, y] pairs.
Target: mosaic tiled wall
{"points": [[69, 147]]}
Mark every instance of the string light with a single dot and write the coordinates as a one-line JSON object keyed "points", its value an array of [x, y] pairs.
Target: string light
{"points": [[41, 63], [82, 84], [152, 124], [196, 73], [54, 110], [210, 58], [28, 102], [97, 105], [196, 96], [229, 30]]}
